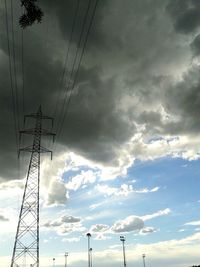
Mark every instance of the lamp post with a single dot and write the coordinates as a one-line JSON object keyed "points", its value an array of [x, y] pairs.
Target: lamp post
{"points": [[54, 262], [89, 236], [90, 257], [122, 238], [66, 255], [143, 256]]}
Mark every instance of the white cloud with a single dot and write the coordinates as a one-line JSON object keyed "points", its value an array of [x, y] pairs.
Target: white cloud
{"points": [[3, 218], [99, 228], [146, 190], [85, 177], [13, 184], [53, 189], [137, 147], [156, 214], [106, 190], [8, 220], [96, 205], [148, 230], [131, 223], [100, 231], [136, 223], [193, 223], [65, 219], [70, 228], [53, 169], [166, 146], [57, 193], [71, 239], [70, 219], [123, 190], [66, 224]]}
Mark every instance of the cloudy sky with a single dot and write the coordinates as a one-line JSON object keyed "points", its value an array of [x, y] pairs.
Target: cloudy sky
{"points": [[126, 157]]}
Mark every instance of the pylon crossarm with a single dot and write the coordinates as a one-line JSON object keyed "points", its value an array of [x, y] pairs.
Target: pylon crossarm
{"points": [[31, 149], [27, 149], [33, 132], [40, 116], [47, 133], [45, 150], [28, 131]]}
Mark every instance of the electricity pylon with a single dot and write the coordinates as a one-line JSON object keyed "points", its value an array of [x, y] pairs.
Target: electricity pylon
{"points": [[26, 246]]}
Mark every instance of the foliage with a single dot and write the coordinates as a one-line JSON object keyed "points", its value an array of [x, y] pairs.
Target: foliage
{"points": [[32, 13]]}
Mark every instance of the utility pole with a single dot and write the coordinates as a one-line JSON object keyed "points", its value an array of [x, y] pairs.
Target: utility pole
{"points": [[89, 236], [143, 256], [27, 235], [122, 238], [66, 255]]}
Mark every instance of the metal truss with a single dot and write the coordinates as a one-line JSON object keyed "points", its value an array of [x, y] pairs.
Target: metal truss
{"points": [[26, 246]]}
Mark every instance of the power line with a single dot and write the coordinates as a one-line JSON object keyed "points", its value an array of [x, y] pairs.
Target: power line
{"points": [[22, 66], [66, 58], [23, 92], [67, 100], [62, 110], [14, 64], [11, 77]]}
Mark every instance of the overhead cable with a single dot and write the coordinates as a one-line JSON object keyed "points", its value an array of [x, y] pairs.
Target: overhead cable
{"points": [[67, 100]]}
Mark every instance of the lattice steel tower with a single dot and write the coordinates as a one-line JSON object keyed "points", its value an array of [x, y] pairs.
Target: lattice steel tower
{"points": [[26, 246]]}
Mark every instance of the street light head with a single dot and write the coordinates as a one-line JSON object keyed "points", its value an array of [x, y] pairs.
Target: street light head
{"points": [[88, 234], [66, 254], [122, 238], [143, 255]]}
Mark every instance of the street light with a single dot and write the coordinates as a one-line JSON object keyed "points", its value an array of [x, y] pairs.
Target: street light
{"points": [[66, 255], [90, 257], [89, 236], [143, 256], [54, 262], [122, 238]]}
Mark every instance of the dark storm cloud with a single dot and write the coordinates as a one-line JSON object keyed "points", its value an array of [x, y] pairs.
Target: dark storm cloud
{"points": [[195, 45], [40, 80], [92, 112], [65, 11], [128, 71], [184, 100], [185, 14], [94, 124]]}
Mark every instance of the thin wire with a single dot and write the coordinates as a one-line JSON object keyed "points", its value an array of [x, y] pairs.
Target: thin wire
{"points": [[60, 122], [21, 164], [22, 61], [14, 64], [10, 73], [66, 59], [79, 63]]}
